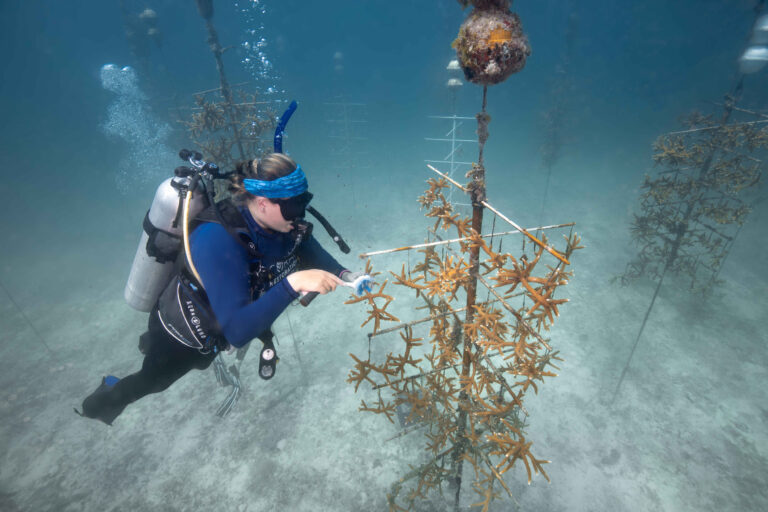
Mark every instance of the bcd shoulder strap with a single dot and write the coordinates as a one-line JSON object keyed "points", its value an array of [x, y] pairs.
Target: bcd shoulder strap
{"points": [[228, 215]]}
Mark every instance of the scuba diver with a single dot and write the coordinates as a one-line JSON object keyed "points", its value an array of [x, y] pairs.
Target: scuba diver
{"points": [[238, 265]]}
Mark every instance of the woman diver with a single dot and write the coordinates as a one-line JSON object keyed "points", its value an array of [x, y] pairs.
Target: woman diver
{"points": [[249, 257]]}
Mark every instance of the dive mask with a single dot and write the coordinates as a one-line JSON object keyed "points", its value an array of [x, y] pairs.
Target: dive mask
{"points": [[294, 208]]}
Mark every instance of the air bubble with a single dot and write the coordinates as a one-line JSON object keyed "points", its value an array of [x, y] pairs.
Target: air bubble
{"points": [[130, 118]]}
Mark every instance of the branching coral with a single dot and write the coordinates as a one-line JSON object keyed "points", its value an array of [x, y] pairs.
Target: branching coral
{"points": [[471, 417], [692, 209], [226, 132]]}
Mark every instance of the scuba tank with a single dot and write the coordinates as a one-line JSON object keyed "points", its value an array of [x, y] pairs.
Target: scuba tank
{"points": [[161, 239]]}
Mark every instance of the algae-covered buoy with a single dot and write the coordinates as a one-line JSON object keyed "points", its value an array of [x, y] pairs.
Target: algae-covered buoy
{"points": [[491, 44]]}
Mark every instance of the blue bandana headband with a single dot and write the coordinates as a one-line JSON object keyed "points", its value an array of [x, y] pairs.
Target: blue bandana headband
{"points": [[287, 186]]}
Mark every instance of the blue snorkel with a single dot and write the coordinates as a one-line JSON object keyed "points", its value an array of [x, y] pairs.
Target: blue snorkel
{"points": [[278, 146], [280, 130]]}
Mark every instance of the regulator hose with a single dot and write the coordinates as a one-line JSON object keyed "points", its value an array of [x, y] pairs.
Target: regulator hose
{"points": [[187, 251]]}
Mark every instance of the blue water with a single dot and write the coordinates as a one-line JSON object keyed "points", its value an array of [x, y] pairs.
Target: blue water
{"points": [[692, 431]]}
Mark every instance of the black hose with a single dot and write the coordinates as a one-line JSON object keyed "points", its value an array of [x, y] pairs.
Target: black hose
{"points": [[332, 232]]}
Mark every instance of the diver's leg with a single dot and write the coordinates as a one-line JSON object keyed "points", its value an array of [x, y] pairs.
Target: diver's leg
{"points": [[165, 362]]}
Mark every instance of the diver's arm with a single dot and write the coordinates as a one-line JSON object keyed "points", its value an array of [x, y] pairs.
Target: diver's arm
{"points": [[313, 281], [246, 323], [223, 267], [312, 255]]}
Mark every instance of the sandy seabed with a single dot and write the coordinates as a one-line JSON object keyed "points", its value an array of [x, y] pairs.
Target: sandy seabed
{"points": [[687, 432]]}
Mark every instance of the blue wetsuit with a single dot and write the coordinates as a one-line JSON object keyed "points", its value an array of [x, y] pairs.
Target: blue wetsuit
{"points": [[224, 264]]}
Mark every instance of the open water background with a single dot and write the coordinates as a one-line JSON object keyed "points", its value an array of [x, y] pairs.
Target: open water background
{"points": [[691, 431]]}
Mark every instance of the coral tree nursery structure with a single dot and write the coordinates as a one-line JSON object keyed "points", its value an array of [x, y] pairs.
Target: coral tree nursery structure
{"points": [[692, 211], [465, 387], [227, 125]]}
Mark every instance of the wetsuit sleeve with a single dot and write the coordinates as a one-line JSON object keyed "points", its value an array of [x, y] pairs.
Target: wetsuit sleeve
{"points": [[224, 269], [312, 255]]}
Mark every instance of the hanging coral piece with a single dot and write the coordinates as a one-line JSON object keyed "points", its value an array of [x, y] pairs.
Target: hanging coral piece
{"points": [[491, 44]]}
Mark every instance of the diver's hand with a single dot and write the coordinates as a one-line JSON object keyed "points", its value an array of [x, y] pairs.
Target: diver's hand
{"points": [[318, 281]]}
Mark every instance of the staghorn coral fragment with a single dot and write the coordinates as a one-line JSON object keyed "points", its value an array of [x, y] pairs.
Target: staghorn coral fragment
{"points": [[376, 313], [404, 280], [380, 407]]}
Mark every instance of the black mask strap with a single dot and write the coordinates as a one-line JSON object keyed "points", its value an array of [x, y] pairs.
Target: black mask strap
{"points": [[332, 232]]}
